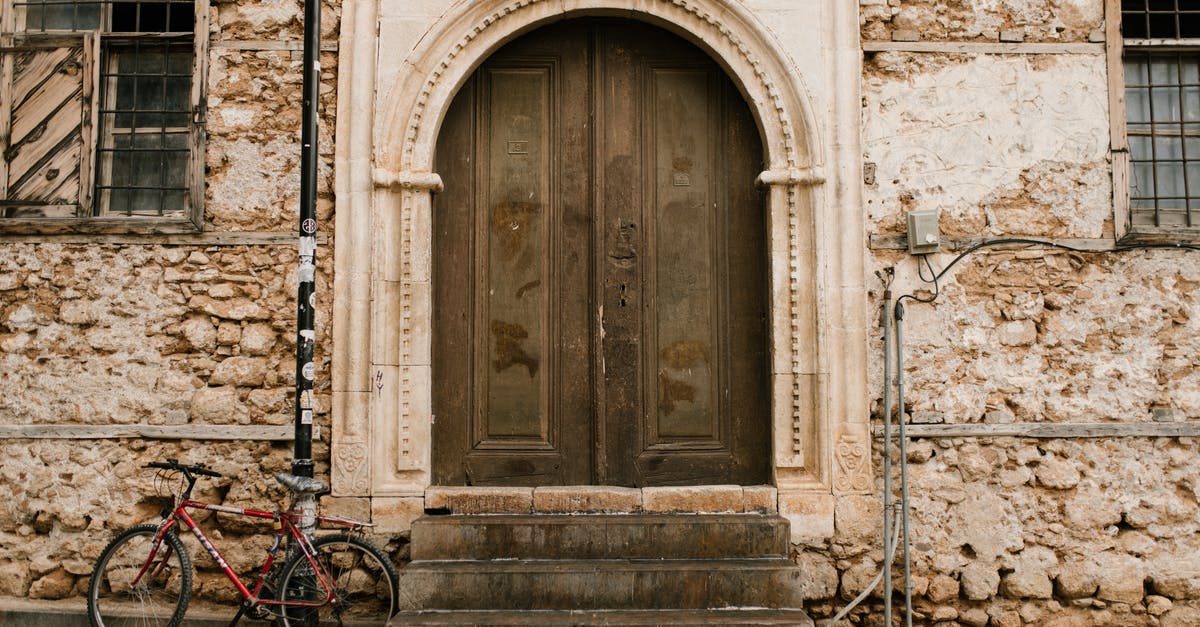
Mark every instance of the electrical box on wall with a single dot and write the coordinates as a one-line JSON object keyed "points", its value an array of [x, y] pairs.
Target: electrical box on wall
{"points": [[923, 235]]}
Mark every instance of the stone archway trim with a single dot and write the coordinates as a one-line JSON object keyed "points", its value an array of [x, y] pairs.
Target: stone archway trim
{"points": [[383, 320]]}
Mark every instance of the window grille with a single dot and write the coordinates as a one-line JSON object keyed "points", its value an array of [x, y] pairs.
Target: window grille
{"points": [[1162, 102], [144, 101]]}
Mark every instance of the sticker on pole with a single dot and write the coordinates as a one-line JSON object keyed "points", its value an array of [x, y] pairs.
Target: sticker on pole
{"points": [[308, 371], [306, 416], [309, 225]]}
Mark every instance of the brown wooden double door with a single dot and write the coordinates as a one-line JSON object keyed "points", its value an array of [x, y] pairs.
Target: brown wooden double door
{"points": [[599, 268]]}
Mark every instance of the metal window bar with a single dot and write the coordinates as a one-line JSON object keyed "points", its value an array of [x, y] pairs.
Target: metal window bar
{"points": [[139, 82], [1162, 60], [1160, 19], [1167, 171], [106, 16]]}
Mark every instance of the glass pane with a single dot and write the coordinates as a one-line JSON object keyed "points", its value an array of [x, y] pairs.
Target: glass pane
{"points": [[1169, 180], [1141, 184], [1166, 148], [1193, 180], [1137, 104], [148, 173], [1191, 103], [1139, 148], [1165, 104], [1164, 70], [1137, 72], [152, 17], [47, 15]]}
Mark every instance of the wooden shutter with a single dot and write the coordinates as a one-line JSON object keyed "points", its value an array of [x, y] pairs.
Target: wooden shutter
{"points": [[46, 125]]}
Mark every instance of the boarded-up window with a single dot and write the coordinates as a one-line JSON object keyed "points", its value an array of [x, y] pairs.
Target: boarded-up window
{"points": [[100, 110]]}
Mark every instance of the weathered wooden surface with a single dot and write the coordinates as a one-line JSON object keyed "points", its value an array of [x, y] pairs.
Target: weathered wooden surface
{"points": [[1054, 430], [600, 244]]}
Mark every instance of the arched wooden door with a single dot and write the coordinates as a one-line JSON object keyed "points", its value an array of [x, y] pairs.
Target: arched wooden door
{"points": [[600, 277]]}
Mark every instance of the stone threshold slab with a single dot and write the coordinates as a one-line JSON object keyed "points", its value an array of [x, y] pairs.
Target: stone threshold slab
{"points": [[711, 499]]}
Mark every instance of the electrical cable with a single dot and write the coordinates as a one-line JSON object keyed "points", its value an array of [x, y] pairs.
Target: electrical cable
{"points": [[1031, 242]]}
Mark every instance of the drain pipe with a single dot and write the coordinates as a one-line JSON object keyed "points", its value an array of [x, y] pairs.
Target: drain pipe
{"points": [[885, 319], [903, 460]]}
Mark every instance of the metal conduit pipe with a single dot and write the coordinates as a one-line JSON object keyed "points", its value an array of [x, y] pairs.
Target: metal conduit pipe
{"points": [[904, 516], [885, 320]]}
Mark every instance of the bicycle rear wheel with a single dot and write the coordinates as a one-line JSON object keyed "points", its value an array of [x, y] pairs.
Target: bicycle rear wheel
{"points": [[159, 598], [364, 583]]}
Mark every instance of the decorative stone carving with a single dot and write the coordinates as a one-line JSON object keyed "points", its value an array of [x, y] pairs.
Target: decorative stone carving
{"points": [[852, 459], [350, 472]]}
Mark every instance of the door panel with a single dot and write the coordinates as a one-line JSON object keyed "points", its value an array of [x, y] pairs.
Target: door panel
{"points": [[599, 268]]}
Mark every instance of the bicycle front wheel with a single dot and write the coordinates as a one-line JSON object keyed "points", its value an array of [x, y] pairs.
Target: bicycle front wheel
{"points": [[118, 597], [363, 579]]}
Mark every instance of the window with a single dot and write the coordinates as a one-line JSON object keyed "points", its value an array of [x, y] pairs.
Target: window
{"points": [[100, 112], [1162, 105]]}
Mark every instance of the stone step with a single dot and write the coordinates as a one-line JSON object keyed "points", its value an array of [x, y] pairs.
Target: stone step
{"points": [[599, 536], [599, 584], [728, 617]]}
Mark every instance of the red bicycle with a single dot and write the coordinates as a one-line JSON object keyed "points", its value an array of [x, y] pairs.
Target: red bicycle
{"points": [[144, 575]]}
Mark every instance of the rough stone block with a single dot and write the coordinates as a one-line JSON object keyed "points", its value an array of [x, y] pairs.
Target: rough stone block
{"points": [[471, 500], [760, 498], [1015, 35], [347, 507], [979, 581], [395, 514], [906, 35], [693, 499], [810, 514], [1076, 580], [858, 518], [589, 499]]}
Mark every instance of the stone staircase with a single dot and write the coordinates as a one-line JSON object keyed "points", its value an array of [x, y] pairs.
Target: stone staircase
{"points": [[601, 569]]}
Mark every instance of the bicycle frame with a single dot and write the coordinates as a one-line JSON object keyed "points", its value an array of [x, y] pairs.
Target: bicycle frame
{"points": [[284, 526]]}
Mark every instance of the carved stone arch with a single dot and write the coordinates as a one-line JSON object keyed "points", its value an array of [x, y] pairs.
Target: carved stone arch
{"points": [[382, 397]]}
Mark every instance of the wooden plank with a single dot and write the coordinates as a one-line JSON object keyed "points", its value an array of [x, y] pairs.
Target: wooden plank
{"points": [[264, 238], [154, 432], [267, 45], [1055, 430], [982, 47]]}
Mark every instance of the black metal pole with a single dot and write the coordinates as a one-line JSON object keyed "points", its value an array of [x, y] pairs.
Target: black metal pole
{"points": [[302, 465]]}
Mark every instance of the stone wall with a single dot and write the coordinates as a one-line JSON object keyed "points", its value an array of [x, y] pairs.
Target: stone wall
{"points": [[174, 331], [1014, 143], [171, 331]]}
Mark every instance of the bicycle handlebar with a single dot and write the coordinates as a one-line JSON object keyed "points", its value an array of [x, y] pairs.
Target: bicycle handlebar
{"points": [[173, 464]]}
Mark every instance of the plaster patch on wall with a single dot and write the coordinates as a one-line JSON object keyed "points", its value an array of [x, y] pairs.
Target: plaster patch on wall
{"points": [[974, 128]]}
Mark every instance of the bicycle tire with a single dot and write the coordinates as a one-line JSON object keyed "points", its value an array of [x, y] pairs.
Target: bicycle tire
{"points": [[160, 599], [364, 579]]}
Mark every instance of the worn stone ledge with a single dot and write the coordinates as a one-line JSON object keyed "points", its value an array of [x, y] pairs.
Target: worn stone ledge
{"points": [[599, 499], [698, 499], [586, 499], [480, 500]]}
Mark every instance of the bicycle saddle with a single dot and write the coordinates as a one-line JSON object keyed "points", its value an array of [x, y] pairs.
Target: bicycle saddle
{"points": [[301, 485]]}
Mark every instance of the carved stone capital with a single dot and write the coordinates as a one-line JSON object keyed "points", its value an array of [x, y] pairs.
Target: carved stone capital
{"points": [[420, 181], [791, 176]]}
